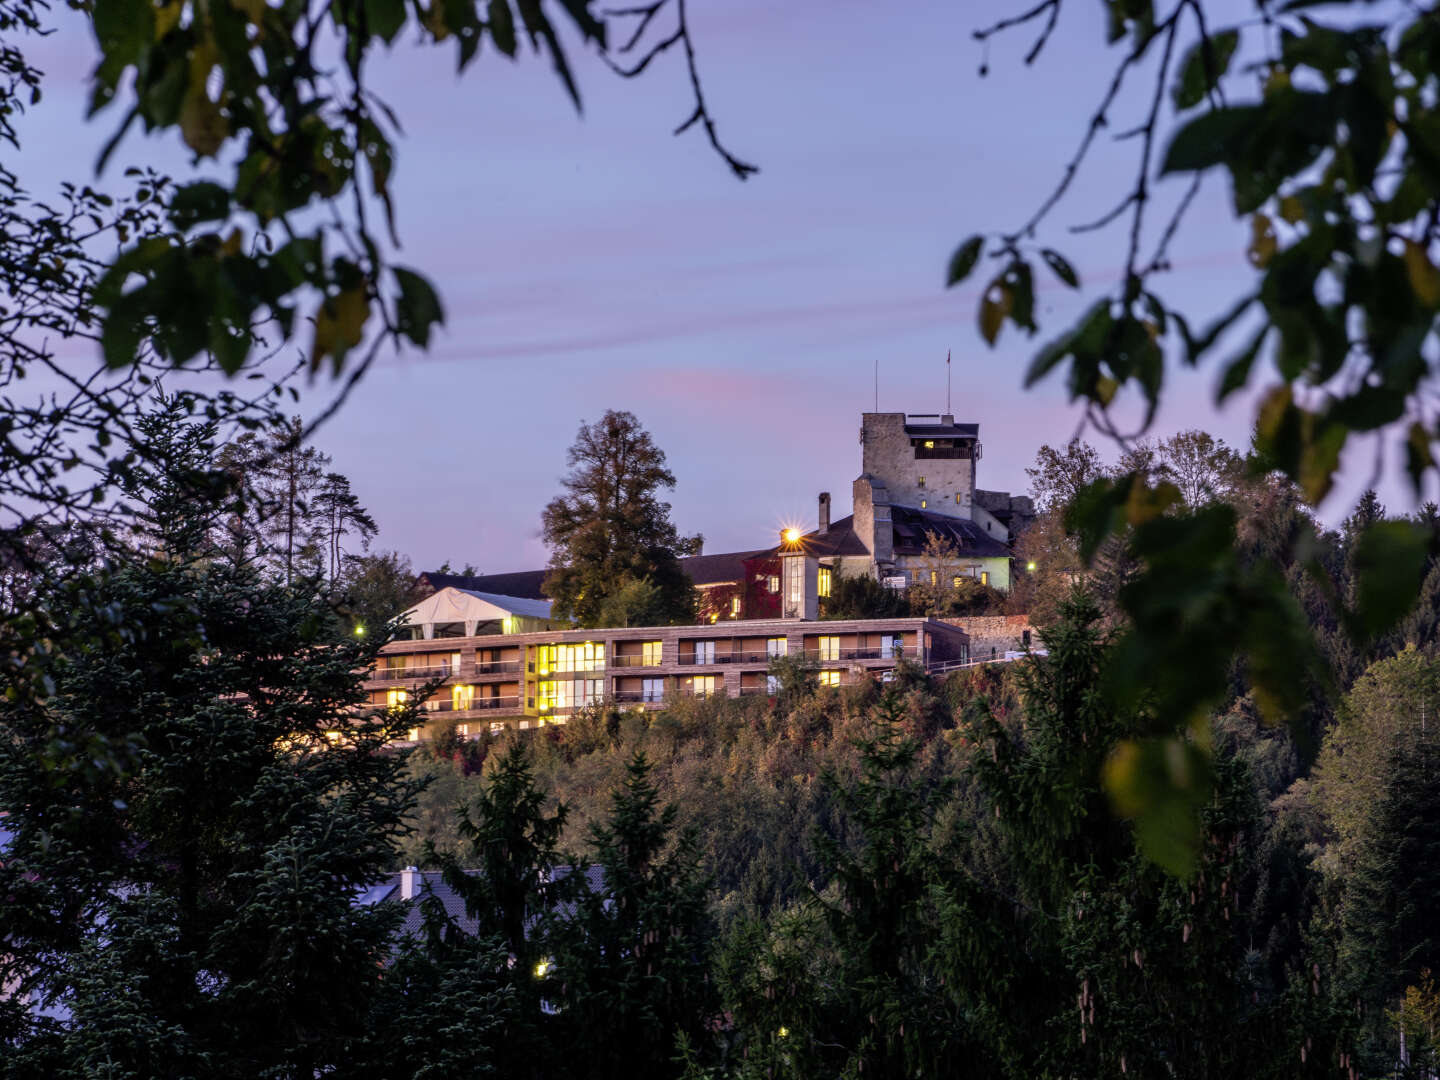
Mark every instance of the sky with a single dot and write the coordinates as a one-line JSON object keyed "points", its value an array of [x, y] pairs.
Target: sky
{"points": [[593, 261]]}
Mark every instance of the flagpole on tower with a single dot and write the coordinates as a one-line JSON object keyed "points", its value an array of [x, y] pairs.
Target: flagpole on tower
{"points": [[947, 381]]}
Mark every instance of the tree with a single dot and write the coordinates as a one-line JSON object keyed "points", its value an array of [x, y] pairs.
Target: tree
{"points": [[340, 512], [631, 964], [190, 904], [1201, 466], [862, 596], [1059, 475], [1342, 324], [609, 527], [376, 588]]}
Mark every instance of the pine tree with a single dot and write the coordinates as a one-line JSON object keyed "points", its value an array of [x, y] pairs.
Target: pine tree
{"points": [[190, 907]]}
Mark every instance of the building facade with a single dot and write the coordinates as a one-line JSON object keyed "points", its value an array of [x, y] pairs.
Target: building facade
{"points": [[486, 682]]}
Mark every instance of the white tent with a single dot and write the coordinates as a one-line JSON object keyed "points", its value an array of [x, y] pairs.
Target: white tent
{"points": [[451, 607]]}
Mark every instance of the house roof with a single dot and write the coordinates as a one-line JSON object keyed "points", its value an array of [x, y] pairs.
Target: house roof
{"points": [[911, 529], [716, 569], [432, 883], [943, 431], [839, 539]]}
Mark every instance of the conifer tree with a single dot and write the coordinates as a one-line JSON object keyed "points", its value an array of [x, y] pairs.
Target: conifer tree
{"points": [[187, 907]]}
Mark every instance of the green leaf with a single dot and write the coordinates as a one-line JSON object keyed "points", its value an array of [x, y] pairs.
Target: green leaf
{"points": [[1062, 269], [1237, 371], [963, 261], [1162, 784], [1210, 139], [124, 29], [1418, 457], [1390, 559], [203, 200], [385, 18], [502, 26], [418, 308], [1203, 67]]}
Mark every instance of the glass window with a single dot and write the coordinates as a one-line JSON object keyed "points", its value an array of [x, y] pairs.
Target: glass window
{"points": [[922, 482], [823, 581], [463, 730], [772, 685], [955, 581], [395, 698], [735, 605], [829, 678], [652, 690], [704, 685], [776, 646], [923, 504], [984, 577], [934, 577], [461, 697], [829, 648], [795, 583], [704, 652], [891, 646], [650, 653], [772, 583]]}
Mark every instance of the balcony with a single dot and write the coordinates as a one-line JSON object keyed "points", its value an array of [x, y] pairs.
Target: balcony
{"points": [[729, 658], [832, 656], [638, 697], [497, 667], [633, 661], [397, 674], [478, 704]]}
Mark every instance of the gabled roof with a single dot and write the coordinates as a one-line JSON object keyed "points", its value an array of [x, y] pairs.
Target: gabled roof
{"points": [[839, 539], [911, 529], [704, 570]]}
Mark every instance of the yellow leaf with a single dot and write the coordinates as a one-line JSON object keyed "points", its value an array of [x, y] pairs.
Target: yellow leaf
{"points": [[993, 309], [166, 16], [233, 243], [254, 9], [434, 21], [1105, 389], [1279, 79], [1292, 210], [339, 325], [202, 124], [1262, 241], [1424, 278]]}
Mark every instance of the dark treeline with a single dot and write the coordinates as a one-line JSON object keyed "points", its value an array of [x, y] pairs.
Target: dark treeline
{"points": [[893, 879]]}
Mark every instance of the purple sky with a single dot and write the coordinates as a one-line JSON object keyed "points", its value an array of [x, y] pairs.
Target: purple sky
{"points": [[595, 262]]}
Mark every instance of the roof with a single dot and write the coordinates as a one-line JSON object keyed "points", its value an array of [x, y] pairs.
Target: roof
{"points": [[466, 605], [432, 883], [522, 584], [911, 529], [525, 584], [839, 539], [942, 431]]}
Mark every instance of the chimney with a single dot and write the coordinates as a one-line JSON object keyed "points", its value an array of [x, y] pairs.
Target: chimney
{"points": [[948, 420], [824, 512], [409, 882]]}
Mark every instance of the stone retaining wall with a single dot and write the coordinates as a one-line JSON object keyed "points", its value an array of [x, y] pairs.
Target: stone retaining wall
{"points": [[995, 635]]}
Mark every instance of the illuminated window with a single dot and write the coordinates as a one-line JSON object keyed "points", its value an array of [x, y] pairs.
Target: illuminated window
{"points": [[957, 497], [829, 648], [776, 646], [822, 583], [650, 653], [772, 583], [704, 685], [413, 734], [829, 678], [734, 606], [922, 482], [934, 577], [463, 730], [462, 697], [955, 582], [396, 698], [547, 695], [929, 444], [704, 652], [923, 504], [984, 577]]}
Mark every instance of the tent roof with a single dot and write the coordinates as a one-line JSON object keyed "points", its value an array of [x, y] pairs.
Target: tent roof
{"points": [[467, 605]]}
